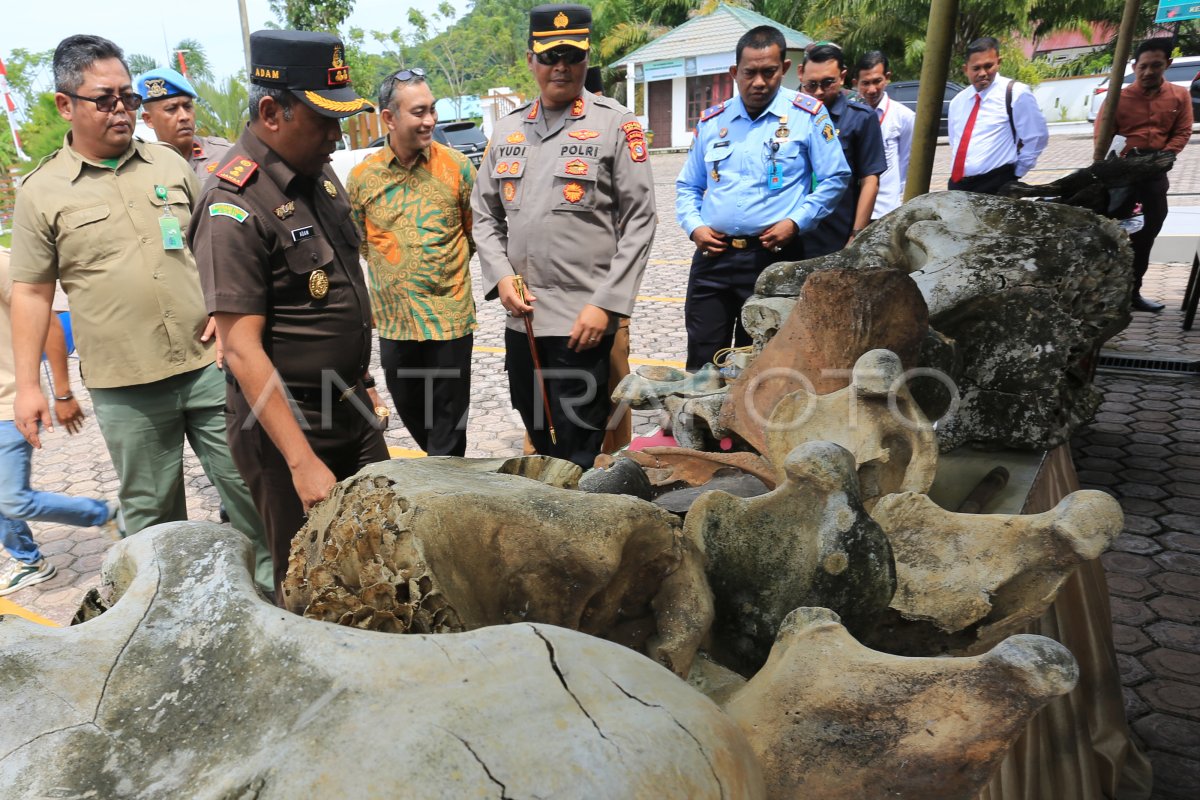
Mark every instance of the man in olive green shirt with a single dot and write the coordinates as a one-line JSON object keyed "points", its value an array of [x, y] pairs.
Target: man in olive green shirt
{"points": [[106, 216]]}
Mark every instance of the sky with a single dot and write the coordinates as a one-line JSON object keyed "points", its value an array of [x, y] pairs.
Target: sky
{"points": [[150, 28]]}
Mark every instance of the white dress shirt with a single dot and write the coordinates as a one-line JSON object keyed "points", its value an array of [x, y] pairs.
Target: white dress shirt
{"points": [[992, 144], [896, 125]]}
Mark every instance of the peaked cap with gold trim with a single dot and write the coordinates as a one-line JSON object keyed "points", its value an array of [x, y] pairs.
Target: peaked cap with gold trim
{"points": [[554, 25], [310, 65]]}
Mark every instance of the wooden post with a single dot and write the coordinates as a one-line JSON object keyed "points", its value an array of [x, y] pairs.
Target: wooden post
{"points": [[1116, 80], [935, 69]]}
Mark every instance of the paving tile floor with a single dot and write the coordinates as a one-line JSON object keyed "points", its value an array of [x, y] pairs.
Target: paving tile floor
{"points": [[1143, 447]]}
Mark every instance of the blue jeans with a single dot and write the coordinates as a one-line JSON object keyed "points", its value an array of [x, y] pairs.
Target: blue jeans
{"points": [[18, 502]]}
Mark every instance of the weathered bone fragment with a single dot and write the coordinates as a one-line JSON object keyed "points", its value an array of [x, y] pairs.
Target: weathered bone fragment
{"points": [[840, 314], [808, 542], [875, 418], [1028, 291], [545, 469], [426, 546], [646, 386], [191, 686], [830, 718], [997, 571]]}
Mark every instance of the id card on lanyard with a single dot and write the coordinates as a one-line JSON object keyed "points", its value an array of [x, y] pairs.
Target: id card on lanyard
{"points": [[168, 223]]}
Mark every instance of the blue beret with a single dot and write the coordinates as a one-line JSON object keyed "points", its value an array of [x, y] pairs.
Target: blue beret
{"points": [[161, 83]]}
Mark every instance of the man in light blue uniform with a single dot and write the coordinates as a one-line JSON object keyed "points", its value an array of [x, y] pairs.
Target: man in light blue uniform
{"points": [[743, 195]]}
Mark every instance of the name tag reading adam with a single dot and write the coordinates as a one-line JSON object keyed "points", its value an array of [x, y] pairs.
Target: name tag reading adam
{"points": [[300, 234]]}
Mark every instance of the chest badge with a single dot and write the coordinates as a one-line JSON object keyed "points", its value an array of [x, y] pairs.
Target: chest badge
{"points": [[573, 192], [828, 132], [576, 166], [330, 189], [515, 138], [510, 191], [286, 210], [782, 131], [583, 135], [318, 284], [502, 168], [723, 132]]}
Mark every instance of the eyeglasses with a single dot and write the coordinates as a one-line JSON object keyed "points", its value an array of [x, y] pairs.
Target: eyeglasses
{"points": [[571, 55], [107, 103], [406, 75], [824, 83]]}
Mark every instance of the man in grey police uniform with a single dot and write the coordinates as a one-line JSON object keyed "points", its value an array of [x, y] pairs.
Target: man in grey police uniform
{"points": [[169, 109], [564, 199]]}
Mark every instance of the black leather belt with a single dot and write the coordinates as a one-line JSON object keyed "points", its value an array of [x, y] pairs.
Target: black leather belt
{"points": [[745, 242]]}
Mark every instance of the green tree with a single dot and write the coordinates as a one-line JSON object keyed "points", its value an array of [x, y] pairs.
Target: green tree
{"points": [[312, 15], [140, 62], [221, 109], [196, 58], [29, 74], [44, 132]]}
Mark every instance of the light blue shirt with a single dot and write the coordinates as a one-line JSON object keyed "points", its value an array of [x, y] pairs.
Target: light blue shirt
{"points": [[740, 150]]}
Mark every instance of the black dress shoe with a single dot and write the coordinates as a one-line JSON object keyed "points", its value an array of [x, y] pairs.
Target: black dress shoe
{"points": [[1142, 304]]}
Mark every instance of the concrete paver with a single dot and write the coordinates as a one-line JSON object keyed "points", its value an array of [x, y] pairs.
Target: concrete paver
{"points": [[1143, 447]]}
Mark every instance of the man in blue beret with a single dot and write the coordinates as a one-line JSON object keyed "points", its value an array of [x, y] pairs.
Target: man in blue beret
{"points": [[168, 108]]}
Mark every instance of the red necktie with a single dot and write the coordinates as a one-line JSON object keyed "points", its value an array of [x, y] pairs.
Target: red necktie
{"points": [[960, 158]]}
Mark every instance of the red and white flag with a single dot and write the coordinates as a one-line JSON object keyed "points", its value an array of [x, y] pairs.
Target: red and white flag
{"points": [[11, 109]]}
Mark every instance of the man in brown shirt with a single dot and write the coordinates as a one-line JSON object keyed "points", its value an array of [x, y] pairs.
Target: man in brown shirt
{"points": [[1152, 114], [106, 215], [278, 258], [169, 109]]}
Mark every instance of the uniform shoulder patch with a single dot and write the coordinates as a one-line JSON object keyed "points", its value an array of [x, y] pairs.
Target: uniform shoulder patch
{"points": [[709, 113], [237, 171], [228, 210], [808, 103]]}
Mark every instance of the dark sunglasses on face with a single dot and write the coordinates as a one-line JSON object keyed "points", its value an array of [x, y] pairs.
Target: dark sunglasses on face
{"points": [[571, 55], [107, 103], [824, 83]]}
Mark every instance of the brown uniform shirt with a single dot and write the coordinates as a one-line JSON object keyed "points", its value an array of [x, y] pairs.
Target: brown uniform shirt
{"points": [[569, 205], [208, 154], [136, 308], [268, 247]]}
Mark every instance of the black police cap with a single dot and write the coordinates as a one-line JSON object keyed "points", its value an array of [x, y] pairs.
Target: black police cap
{"points": [[311, 65], [553, 25]]}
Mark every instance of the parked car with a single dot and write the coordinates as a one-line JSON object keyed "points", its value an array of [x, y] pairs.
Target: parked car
{"points": [[1184, 71], [466, 137], [906, 92]]}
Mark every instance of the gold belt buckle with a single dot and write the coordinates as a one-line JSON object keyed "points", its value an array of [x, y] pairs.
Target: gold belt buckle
{"points": [[739, 243]]}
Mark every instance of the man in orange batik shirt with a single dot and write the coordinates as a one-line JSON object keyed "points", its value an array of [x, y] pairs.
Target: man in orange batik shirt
{"points": [[411, 202]]}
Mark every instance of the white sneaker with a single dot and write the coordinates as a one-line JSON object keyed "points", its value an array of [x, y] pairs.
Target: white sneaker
{"points": [[26, 575]]}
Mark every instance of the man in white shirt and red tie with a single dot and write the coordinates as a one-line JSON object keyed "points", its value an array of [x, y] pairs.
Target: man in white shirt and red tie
{"points": [[997, 130], [873, 74]]}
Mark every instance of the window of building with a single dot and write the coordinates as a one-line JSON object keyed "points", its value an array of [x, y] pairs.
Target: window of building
{"points": [[705, 91]]}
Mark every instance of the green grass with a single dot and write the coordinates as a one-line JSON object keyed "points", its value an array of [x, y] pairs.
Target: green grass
{"points": [[5, 240]]}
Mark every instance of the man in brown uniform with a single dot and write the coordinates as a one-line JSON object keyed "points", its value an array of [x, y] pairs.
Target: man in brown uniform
{"points": [[278, 259], [168, 108], [565, 199], [1153, 114], [105, 215]]}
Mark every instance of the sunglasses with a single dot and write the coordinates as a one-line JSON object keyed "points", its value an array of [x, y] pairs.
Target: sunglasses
{"points": [[107, 103], [406, 75], [825, 83], [571, 55]]}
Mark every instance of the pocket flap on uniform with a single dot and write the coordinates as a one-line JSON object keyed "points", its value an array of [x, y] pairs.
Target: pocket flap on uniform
{"points": [[308, 254], [576, 168], [176, 197], [717, 153], [509, 168], [85, 216]]}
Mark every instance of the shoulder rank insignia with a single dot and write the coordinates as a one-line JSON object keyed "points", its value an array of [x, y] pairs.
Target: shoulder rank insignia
{"points": [[228, 210], [237, 171], [712, 112], [583, 135], [515, 138], [577, 107], [806, 102]]}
